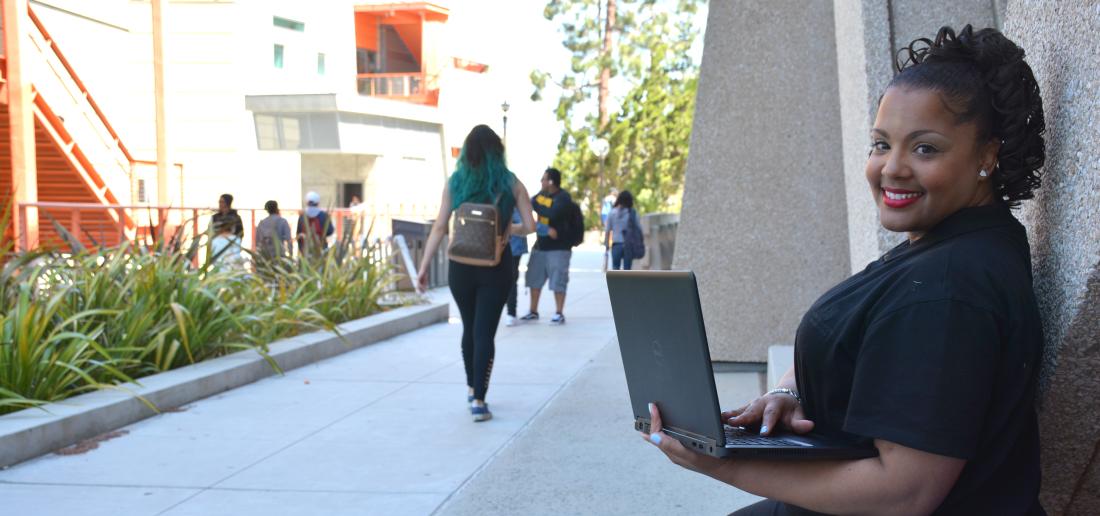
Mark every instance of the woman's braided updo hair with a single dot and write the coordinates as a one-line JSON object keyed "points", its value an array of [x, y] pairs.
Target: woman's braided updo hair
{"points": [[984, 79]]}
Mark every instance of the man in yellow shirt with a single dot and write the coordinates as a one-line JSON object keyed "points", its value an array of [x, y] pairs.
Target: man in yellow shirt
{"points": [[552, 252]]}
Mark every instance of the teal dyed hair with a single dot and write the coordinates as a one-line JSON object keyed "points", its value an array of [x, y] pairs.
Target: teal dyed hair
{"points": [[481, 173]]}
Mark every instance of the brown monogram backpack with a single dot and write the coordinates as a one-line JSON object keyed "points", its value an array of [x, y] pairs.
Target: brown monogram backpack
{"points": [[478, 237]]}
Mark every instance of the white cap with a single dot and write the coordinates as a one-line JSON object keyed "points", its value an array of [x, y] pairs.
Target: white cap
{"points": [[313, 198]]}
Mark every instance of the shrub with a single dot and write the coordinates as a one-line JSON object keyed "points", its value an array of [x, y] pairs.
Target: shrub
{"points": [[92, 319]]}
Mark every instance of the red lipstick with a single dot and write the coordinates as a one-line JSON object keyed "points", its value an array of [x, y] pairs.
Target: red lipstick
{"points": [[897, 198]]}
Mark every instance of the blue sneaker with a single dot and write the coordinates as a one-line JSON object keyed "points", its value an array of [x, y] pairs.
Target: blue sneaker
{"points": [[480, 413], [533, 316], [558, 319]]}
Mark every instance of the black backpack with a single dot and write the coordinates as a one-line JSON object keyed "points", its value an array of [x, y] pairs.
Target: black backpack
{"points": [[575, 224]]}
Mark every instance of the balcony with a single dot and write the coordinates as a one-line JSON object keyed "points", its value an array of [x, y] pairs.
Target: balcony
{"points": [[399, 85]]}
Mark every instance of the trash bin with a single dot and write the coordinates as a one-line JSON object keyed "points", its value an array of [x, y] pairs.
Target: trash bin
{"points": [[416, 237]]}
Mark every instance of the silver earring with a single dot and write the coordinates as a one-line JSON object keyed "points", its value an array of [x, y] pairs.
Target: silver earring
{"points": [[983, 173]]}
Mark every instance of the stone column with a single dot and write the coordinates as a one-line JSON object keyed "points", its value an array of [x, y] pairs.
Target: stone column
{"points": [[864, 69], [764, 224], [1063, 222]]}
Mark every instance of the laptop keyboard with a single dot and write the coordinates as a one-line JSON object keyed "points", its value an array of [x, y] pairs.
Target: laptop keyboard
{"points": [[736, 436]]}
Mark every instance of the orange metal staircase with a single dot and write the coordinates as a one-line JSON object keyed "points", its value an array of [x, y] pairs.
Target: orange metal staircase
{"points": [[80, 158]]}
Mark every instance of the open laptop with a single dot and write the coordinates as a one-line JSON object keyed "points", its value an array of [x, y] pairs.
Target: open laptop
{"points": [[663, 343]]}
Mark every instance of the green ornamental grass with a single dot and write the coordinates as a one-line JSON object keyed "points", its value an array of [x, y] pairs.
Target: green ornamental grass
{"points": [[95, 318]]}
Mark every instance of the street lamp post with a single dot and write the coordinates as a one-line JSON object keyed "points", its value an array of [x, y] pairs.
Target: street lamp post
{"points": [[504, 110]]}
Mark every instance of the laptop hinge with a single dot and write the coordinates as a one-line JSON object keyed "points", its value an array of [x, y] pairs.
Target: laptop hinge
{"points": [[690, 439]]}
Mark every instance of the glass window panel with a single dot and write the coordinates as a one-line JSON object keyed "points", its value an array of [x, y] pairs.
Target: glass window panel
{"points": [[323, 131], [285, 23], [267, 132], [278, 56], [292, 132]]}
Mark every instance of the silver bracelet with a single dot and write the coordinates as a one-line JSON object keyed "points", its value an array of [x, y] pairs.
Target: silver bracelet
{"points": [[790, 392]]}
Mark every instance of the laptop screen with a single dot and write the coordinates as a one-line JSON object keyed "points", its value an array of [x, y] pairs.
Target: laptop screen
{"points": [[664, 348]]}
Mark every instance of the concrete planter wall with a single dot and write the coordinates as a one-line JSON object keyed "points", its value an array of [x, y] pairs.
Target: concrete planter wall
{"points": [[659, 230], [32, 432]]}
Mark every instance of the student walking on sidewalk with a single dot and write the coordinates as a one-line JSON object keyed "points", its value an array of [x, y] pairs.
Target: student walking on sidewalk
{"points": [[481, 176], [518, 244], [549, 260], [622, 219]]}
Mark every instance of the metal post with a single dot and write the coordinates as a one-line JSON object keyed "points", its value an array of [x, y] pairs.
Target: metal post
{"points": [[24, 168], [74, 223], [159, 94], [504, 109], [121, 227]]}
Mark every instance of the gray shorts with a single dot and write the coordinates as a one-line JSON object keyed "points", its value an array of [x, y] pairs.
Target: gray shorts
{"points": [[548, 264]]}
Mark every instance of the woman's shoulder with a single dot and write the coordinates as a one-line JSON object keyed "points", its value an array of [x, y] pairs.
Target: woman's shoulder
{"points": [[984, 269]]}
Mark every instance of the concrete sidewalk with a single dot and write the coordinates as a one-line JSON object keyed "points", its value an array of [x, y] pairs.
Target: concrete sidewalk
{"points": [[385, 430]]}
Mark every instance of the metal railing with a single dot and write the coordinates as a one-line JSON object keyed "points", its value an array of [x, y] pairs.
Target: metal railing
{"points": [[400, 85], [57, 83], [97, 225], [70, 115], [415, 234]]}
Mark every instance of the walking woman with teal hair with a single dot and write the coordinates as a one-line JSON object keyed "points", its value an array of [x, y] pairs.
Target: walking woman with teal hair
{"points": [[480, 292]]}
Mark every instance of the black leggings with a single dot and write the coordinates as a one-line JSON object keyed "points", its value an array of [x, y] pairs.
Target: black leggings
{"points": [[513, 291], [480, 293]]}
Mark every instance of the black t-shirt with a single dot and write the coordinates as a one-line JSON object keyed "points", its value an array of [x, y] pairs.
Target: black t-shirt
{"points": [[232, 218], [936, 347], [552, 210]]}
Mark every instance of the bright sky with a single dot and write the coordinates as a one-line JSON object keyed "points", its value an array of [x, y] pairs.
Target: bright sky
{"points": [[514, 38]]}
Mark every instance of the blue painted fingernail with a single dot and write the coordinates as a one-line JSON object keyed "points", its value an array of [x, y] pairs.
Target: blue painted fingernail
{"points": [[656, 438], [763, 429]]}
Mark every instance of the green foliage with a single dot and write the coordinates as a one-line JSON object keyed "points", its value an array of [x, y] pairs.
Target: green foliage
{"points": [[650, 133], [92, 319]]}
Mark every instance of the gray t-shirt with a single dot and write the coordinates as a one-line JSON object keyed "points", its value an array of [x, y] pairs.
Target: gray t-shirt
{"points": [[268, 231], [617, 221]]}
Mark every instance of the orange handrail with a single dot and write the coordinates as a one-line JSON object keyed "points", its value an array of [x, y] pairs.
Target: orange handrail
{"points": [[389, 75], [368, 217], [80, 84], [57, 125]]}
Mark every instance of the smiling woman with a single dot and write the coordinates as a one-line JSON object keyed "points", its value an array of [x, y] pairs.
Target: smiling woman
{"points": [[931, 352], [963, 130]]}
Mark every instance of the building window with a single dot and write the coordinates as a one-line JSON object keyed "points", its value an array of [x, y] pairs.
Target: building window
{"points": [[295, 26], [320, 64], [291, 132], [141, 191], [297, 131], [267, 132], [278, 56], [366, 61]]}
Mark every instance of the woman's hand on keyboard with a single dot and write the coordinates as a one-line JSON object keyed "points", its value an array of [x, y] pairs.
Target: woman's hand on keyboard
{"points": [[771, 411]]}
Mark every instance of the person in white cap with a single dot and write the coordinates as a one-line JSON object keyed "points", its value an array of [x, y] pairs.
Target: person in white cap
{"points": [[313, 238]]}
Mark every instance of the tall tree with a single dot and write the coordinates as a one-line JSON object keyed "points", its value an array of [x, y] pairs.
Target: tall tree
{"points": [[605, 53], [640, 47]]}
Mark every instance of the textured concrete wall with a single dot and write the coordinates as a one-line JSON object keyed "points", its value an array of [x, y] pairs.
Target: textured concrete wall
{"points": [[912, 19], [1064, 226], [764, 218], [864, 68], [762, 228]]}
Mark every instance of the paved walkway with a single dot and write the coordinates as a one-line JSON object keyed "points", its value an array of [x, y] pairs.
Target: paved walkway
{"points": [[385, 430]]}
